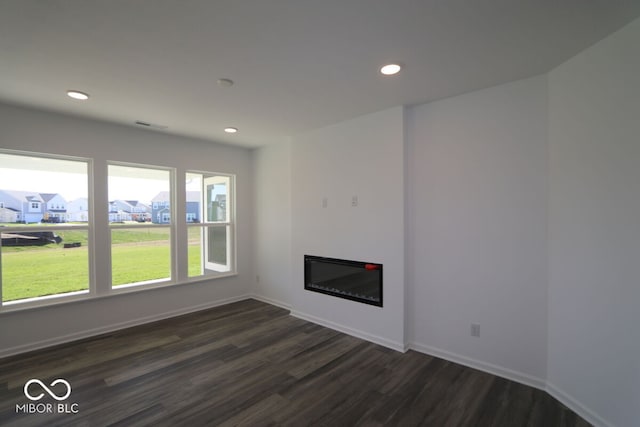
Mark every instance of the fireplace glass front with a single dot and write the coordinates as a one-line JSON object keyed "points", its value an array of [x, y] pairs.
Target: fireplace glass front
{"points": [[353, 280]]}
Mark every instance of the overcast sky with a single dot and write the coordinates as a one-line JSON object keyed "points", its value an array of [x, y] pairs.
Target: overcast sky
{"points": [[69, 178]]}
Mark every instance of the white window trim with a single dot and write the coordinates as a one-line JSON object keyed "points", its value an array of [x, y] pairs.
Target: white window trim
{"points": [[49, 300], [230, 222], [155, 283], [92, 292]]}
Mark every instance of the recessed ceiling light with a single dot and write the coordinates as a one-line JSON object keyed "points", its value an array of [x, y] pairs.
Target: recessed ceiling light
{"points": [[75, 94], [391, 69], [231, 130]]}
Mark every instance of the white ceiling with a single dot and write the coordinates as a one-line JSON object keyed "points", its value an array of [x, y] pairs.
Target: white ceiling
{"points": [[297, 64]]}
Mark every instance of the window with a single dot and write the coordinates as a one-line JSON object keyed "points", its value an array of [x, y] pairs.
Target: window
{"points": [[42, 256], [46, 225], [210, 222], [140, 248]]}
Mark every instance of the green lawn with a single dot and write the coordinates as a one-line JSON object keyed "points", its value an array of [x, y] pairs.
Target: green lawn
{"points": [[137, 255], [39, 272], [137, 263]]}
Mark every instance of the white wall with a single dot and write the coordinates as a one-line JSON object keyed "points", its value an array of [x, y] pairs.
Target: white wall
{"points": [[272, 238], [594, 230], [477, 228], [363, 157], [522, 205], [36, 131]]}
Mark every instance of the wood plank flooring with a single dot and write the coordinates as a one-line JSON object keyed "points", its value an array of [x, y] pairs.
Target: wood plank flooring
{"points": [[251, 364]]}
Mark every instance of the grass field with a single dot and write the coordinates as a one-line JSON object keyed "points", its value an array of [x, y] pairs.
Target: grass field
{"points": [[137, 255]]}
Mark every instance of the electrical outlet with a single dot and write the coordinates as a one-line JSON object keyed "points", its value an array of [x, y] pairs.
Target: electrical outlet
{"points": [[354, 201], [475, 329]]}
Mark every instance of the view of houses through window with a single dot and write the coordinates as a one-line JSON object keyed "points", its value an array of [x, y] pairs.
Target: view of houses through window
{"points": [[140, 218], [45, 226], [44, 222]]}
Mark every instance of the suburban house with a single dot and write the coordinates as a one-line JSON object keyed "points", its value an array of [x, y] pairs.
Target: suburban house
{"points": [[78, 210], [55, 207], [29, 207], [8, 214], [34, 207], [194, 207], [128, 210], [432, 212], [218, 207], [161, 207]]}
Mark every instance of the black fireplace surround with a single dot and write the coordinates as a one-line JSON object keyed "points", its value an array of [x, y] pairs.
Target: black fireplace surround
{"points": [[352, 280]]}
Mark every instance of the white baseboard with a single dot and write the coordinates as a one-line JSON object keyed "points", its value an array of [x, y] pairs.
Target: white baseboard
{"points": [[519, 377], [576, 406], [509, 374], [516, 376], [271, 301], [11, 351], [350, 331]]}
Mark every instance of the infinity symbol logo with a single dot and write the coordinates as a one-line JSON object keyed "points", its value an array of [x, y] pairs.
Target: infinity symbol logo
{"points": [[47, 389]]}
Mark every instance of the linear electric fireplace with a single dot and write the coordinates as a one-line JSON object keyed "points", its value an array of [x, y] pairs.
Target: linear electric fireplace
{"points": [[353, 280]]}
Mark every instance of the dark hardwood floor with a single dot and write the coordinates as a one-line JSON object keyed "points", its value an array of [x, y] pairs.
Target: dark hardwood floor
{"points": [[251, 364]]}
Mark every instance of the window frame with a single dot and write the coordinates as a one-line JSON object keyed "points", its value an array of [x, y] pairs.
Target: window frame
{"points": [[203, 225], [89, 228], [102, 287], [173, 267]]}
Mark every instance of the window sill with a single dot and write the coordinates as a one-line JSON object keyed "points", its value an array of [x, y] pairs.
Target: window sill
{"points": [[84, 296]]}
